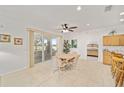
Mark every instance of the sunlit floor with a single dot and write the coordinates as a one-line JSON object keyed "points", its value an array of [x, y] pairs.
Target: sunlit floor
{"points": [[85, 74], [92, 59]]}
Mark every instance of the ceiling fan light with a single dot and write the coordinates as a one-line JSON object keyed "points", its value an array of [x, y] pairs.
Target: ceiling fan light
{"points": [[65, 31]]}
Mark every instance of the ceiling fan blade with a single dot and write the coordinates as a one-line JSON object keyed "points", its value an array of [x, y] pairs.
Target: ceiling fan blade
{"points": [[73, 27], [66, 26], [71, 30], [63, 26]]}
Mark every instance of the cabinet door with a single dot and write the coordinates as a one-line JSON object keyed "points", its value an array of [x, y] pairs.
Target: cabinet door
{"points": [[106, 57], [121, 40], [106, 40], [114, 40]]}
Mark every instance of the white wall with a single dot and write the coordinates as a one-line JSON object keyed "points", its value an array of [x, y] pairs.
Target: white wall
{"points": [[13, 57], [94, 36]]}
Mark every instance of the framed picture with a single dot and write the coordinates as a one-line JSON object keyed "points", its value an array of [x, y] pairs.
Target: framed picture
{"points": [[18, 41], [70, 45], [74, 43], [68, 42], [5, 38]]}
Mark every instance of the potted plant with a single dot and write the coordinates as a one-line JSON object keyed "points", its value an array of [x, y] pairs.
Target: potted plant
{"points": [[112, 32], [66, 48]]}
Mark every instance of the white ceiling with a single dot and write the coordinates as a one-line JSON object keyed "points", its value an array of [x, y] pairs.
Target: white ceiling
{"points": [[51, 17]]}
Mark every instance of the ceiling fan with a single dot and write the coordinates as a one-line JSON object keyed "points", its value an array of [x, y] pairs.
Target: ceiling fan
{"points": [[66, 28]]}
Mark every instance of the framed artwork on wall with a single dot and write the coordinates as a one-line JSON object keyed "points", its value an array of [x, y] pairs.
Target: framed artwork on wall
{"points": [[66, 46], [74, 43], [5, 38], [18, 41]]}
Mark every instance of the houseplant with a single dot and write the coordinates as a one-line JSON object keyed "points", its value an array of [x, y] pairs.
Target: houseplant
{"points": [[66, 48]]}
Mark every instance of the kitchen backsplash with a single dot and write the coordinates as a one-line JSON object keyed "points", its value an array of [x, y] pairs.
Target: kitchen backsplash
{"points": [[117, 49]]}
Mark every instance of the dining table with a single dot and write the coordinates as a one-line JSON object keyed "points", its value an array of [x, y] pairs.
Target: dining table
{"points": [[66, 57]]}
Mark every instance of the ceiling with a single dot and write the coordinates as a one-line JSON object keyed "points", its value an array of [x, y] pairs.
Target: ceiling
{"points": [[50, 18]]}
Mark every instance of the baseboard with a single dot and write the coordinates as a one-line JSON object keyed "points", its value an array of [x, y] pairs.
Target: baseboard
{"points": [[13, 71]]}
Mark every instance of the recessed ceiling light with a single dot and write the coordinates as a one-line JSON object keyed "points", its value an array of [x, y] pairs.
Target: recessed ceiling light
{"points": [[122, 13], [122, 20], [79, 8], [88, 24]]}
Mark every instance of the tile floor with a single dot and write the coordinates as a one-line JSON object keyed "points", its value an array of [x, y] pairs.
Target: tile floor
{"points": [[85, 74], [92, 59]]}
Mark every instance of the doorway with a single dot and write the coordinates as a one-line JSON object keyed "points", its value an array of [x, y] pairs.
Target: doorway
{"points": [[47, 47], [43, 46], [38, 48], [92, 52], [54, 46]]}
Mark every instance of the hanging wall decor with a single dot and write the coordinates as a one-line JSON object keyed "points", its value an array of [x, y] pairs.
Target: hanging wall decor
{"points": [[5, 38], [66, 46], [18, 41], [74, 43]]}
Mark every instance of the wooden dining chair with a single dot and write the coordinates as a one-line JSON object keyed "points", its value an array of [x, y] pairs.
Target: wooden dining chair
{"points": [[113, 61], [118, 66], [71, 60], [74, 61], [60, 62], [113, 66]]}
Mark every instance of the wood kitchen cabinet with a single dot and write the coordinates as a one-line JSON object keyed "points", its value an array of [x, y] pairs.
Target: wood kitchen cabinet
{"points": [[121, 40], [107, 40], [107, 57], [114, 40]]}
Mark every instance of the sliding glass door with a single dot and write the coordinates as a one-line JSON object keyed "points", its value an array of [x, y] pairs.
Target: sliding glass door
{"points": [[45, 46], [38, 48], [54, 46]]}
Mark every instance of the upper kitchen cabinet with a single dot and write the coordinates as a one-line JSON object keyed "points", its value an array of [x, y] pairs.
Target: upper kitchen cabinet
{"points": [[114, 40], [121, 40], [107, 40]]}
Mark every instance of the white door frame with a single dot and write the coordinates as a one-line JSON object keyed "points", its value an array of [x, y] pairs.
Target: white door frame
{"points": [[31, 44]]}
